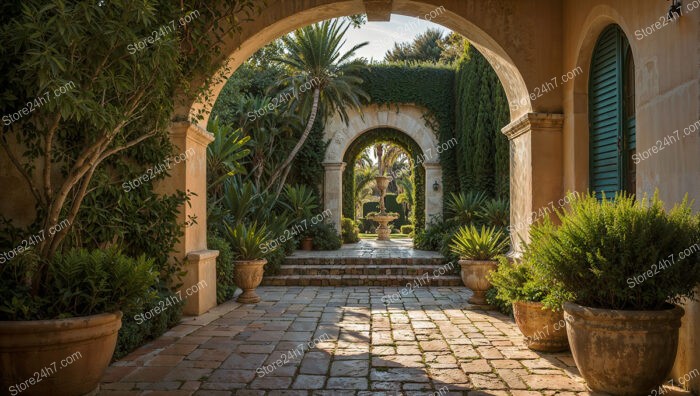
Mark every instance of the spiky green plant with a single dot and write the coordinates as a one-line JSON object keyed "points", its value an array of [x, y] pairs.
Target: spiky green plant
{"points": [[247, 241], [465, 208], [471, 243], [495, 212]]}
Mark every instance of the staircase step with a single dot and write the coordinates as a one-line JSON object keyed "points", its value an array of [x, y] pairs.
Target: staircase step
{"points": [[372, 269], [360, 280], [291, 260]]}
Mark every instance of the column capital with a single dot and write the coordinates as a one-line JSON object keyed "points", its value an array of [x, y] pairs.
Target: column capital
{"points": [[432, 165], [329, 166], [531, 121], [193, 132]]}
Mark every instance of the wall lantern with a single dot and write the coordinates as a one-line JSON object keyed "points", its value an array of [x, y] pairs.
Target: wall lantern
{"points": [[436, 186], [675, 10]]}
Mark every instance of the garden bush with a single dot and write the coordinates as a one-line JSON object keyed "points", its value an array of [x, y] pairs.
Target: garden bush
{"points": [[350, 231], [325, 237], [624, 253], [78, 283], [225, 287], [135, 333], [406, 229]]}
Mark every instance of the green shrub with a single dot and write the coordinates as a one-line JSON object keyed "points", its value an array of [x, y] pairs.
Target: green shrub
{"points": [[516, 281], [624, 253], [432, 237], [350, 231], [135, 333], [325, 237], [406, 229], [79, 283], [473, 244], [225, 288]]}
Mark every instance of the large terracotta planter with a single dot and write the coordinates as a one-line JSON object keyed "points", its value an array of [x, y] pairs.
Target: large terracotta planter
{"points": [[63, 356], [473, 274], [248, 275], [544, 329], [623, 352]]}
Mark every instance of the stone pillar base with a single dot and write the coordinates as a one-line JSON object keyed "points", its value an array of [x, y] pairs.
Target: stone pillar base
{"points": [[199, 285]]}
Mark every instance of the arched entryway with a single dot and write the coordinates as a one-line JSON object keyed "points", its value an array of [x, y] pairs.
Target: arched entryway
{"points": [[406, 120]]}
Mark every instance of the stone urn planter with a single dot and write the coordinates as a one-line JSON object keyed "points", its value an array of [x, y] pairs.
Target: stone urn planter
{"points": [[544, 329], [248, 275], [623, 352], [473, 274], [307, 244], [61, 356]]}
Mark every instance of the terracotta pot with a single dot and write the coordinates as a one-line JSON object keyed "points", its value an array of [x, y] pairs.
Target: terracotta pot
{"points": [[307, 243], [248, 274], [474, 277], [62, 356], [623, 352], [544, 329]]}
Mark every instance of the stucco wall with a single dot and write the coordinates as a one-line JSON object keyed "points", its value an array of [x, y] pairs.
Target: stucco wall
{"points": [[667, 71]]}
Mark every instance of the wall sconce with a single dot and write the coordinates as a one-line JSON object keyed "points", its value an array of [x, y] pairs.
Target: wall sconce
{"points": [[675, 10], [436, 186]]}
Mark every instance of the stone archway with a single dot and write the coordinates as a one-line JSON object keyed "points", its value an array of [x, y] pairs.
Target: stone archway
{"points": [[407, 119]]}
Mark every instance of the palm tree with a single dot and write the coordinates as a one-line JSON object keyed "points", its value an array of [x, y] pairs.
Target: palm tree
{"points": [[364, 177], [406, 196], [314, 58]]}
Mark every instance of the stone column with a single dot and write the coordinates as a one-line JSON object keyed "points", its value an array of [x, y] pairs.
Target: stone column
{"points": [[189, 174], [536, 176], [333, 191], [433, 199]]}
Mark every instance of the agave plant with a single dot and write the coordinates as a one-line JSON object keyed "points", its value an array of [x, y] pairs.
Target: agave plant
{"points": [[471, 243], [465, 208], [247, 242], [495, 212], [300, 200]]}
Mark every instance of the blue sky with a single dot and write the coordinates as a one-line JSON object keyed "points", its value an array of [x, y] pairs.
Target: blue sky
{"points": [[382, 35]]}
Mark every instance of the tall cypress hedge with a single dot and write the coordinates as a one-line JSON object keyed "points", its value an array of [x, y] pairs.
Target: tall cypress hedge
{"points": [[481, 111]]}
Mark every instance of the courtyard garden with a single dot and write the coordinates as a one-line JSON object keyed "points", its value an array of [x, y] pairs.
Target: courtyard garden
{"points": [[415, 282]]}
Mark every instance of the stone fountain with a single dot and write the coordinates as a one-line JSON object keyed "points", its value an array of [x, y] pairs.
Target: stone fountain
{"points": [[383, 218]]}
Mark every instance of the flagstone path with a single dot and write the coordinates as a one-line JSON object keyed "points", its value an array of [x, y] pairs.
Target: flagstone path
{"points": [[344, 341]]}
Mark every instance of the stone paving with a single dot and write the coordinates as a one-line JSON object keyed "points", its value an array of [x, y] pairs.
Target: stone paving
{"points": [[344, 341], [370, 249]]}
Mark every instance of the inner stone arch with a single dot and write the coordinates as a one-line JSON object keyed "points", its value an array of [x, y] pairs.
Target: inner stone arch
{"points": [[404, 119]]}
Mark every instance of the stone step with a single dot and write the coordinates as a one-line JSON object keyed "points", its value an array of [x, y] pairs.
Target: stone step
{"points": [[370, 269], [360, 280], [291, 260]]}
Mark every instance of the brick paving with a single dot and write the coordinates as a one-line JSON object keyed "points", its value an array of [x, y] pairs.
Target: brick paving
{"points": [[344, 341]]}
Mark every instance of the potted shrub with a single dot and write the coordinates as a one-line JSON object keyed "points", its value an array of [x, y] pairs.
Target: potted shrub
{"points": [[623, 265], [543, 327], [73, 321], [247, 244], [477, 250]]}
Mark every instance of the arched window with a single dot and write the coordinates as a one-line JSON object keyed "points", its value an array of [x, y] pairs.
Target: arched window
{"points": [[612, 115]]}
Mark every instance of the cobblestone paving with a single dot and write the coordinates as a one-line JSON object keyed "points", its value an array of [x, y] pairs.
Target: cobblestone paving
{"points": [[344, 341]]}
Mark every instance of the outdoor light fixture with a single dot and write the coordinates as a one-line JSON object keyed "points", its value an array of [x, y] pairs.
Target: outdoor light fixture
{"points": [[436, 186], [675, 10]]}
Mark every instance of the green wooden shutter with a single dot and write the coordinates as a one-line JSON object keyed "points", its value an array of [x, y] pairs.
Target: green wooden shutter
{"points": [[605, 112]]}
